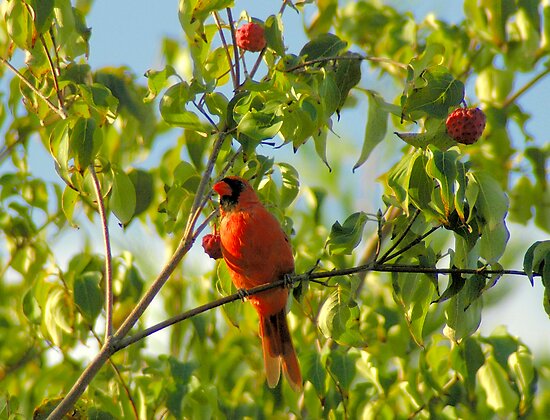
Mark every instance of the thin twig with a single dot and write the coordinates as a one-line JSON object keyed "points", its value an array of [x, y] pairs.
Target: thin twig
{"points": [[108, 256], [235, 47], [514, 97], [203, 112], [226, 48], [257, 63], [398, 241], [58, 111], [54, 72], [413, 243]]}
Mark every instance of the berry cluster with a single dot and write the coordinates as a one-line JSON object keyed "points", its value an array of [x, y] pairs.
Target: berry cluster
{"points": [[211, 245]]}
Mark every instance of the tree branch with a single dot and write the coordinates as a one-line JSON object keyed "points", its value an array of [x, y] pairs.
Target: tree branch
{"points": [[235, 47], [347, 57], [514, 97], [108, 255], [308, 276], [226, 48]]}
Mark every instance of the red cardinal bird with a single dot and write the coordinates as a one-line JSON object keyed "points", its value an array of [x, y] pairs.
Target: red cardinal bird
{"points": [[257, 251]]}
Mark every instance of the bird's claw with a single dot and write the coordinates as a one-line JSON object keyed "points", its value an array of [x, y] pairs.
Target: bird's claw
{"points": [[243, 294], [288, 282]]}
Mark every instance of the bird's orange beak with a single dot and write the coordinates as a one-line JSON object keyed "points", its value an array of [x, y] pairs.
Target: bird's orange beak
{"points": [[222, 188]]}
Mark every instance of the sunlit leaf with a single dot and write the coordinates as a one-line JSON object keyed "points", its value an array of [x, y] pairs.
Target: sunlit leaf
{"points": [[123, 197], [494, 381], [343, 239]]}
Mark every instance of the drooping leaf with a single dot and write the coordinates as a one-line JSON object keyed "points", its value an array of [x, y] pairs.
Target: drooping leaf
{"points": [[455, 285], [123, 196], [87, 294], [144, 187], [291, 184], [342, 365], [313, 370], [82, 144], [375, 131], [273, 31], [348, 75]]}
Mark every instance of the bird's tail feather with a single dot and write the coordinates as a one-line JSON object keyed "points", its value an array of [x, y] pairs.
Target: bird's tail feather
{"points": [[277, 347]]}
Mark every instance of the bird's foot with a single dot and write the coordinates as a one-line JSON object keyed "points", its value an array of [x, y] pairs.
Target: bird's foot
{"points": [[288, 281], [243, 294]]}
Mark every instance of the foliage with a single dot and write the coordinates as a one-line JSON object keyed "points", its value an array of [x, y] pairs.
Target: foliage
{"points": [[370, 345]]}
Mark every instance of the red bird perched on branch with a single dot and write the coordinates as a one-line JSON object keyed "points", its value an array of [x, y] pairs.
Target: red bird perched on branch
{"points": [[257, 251]]}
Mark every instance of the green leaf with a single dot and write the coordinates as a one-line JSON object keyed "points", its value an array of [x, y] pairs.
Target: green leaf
{"points": [[537, 260], [494, 85], [329, 92], [433, 93], [320, 140], [233, 311], [442, 167], [492, 205], [259, 125], [313, 370], [43, 12], [523, 370], [463, 316], [172, 108], [420, 185], [31, 308], [273, 31], [217, 104], [87, 294], [123, 196], [291, 184], [348, 75], [522, 200], [325, 45], [414, 293], [375, 131], [82, 143], [492, 201], [344, 238], [57, 315], [466, 358], [144, 187], [492, 243], [19, 24], [494, 381], [342, 367], [156, 81], [455, 285], [69, 201]]}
